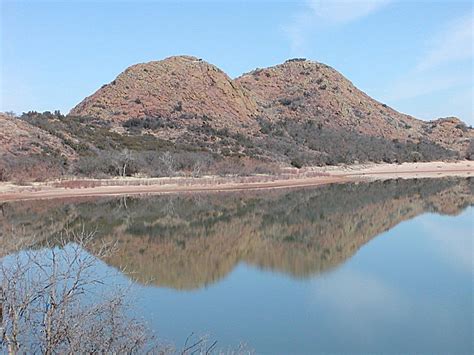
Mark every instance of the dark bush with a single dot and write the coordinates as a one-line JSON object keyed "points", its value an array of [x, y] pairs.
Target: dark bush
{"points": [[285, 101], [297, 163], [137, 124], [296, 60], [470, 150], [178, 107]]}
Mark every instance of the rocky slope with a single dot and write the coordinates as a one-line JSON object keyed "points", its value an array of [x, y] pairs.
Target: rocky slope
{"points": [[27, 151], [182, 88], [300, 89], [19, 138]]}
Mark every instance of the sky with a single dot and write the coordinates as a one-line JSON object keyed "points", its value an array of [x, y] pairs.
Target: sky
{"points": [[416, 56]]}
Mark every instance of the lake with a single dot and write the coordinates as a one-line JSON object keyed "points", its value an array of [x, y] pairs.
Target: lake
{"points": [[379, 267]]}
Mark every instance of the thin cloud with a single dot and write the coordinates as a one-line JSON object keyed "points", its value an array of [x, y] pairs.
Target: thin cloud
{"points": [[326, 13], [454, 44], [340, 12], [419, 84], [439, 68]]}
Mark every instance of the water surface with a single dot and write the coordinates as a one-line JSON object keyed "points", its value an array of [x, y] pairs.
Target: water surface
{"points": [[380, 267]]}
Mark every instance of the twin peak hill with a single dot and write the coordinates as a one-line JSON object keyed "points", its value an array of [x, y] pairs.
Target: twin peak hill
{"points": [[299, 113], [191, 92]]}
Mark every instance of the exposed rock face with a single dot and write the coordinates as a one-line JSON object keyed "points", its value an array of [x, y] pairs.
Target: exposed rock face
{"points": [[181, 87], [28, 152], [451, 132]]}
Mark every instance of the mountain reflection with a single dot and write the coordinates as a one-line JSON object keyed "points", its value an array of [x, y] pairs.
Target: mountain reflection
{"points": [[189, 241]]}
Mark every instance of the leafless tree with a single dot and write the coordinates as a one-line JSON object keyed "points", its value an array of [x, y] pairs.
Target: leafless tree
{"points": [[125, 160], [204, 345], [169, 163], [54, 300], [200, 166], [51, 303]]}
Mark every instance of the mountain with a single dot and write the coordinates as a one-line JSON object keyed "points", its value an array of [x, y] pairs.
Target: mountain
{"points": [[189, 113]]}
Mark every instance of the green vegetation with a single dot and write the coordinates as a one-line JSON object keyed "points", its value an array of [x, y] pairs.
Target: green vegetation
{"points": [[310, 143]]}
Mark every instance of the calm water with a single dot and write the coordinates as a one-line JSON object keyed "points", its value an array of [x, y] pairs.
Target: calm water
{"points": [[383, 267]]}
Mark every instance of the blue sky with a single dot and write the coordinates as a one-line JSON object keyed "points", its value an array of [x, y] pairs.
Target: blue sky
{"points": [[416, 56]]}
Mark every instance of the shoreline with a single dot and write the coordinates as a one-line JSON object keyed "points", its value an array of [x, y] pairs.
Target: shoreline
{"points": [[293, 178]]}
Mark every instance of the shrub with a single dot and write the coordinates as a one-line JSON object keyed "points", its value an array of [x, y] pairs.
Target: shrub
{"points": [[297, 163], [178, 107], [296, 60], [470, 150], [305, 143], [285, 101]]}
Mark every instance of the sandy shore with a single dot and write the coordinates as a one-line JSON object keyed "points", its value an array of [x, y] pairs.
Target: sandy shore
{"points": [[405, 170], [291, 179]]}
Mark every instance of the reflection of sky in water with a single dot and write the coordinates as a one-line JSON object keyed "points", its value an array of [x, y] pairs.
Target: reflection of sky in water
{"points": [[409, 289]]}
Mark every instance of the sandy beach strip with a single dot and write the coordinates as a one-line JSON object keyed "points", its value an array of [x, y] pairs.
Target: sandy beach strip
{"points": [[293, 179]]}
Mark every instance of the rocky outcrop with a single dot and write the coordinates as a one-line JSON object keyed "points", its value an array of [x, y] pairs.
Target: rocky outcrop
{"points": [[301, 89], [298, 113], [28, 152]]}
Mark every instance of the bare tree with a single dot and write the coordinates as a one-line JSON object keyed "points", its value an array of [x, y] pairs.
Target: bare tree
{"points": [[54, 300], [126, 159], [204, 345], [169, 163], [51, 303], [200, 166]]}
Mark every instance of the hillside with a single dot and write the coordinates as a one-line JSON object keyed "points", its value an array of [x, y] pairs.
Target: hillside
{"points": [[300, 89], [181, 88], [30, 150], [182, 115]]}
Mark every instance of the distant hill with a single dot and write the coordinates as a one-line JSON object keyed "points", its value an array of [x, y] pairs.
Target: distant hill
{"points": [[191, 114]]}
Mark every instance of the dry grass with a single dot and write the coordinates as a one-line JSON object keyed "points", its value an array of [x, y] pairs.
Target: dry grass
{"points": [[185, 181]]}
